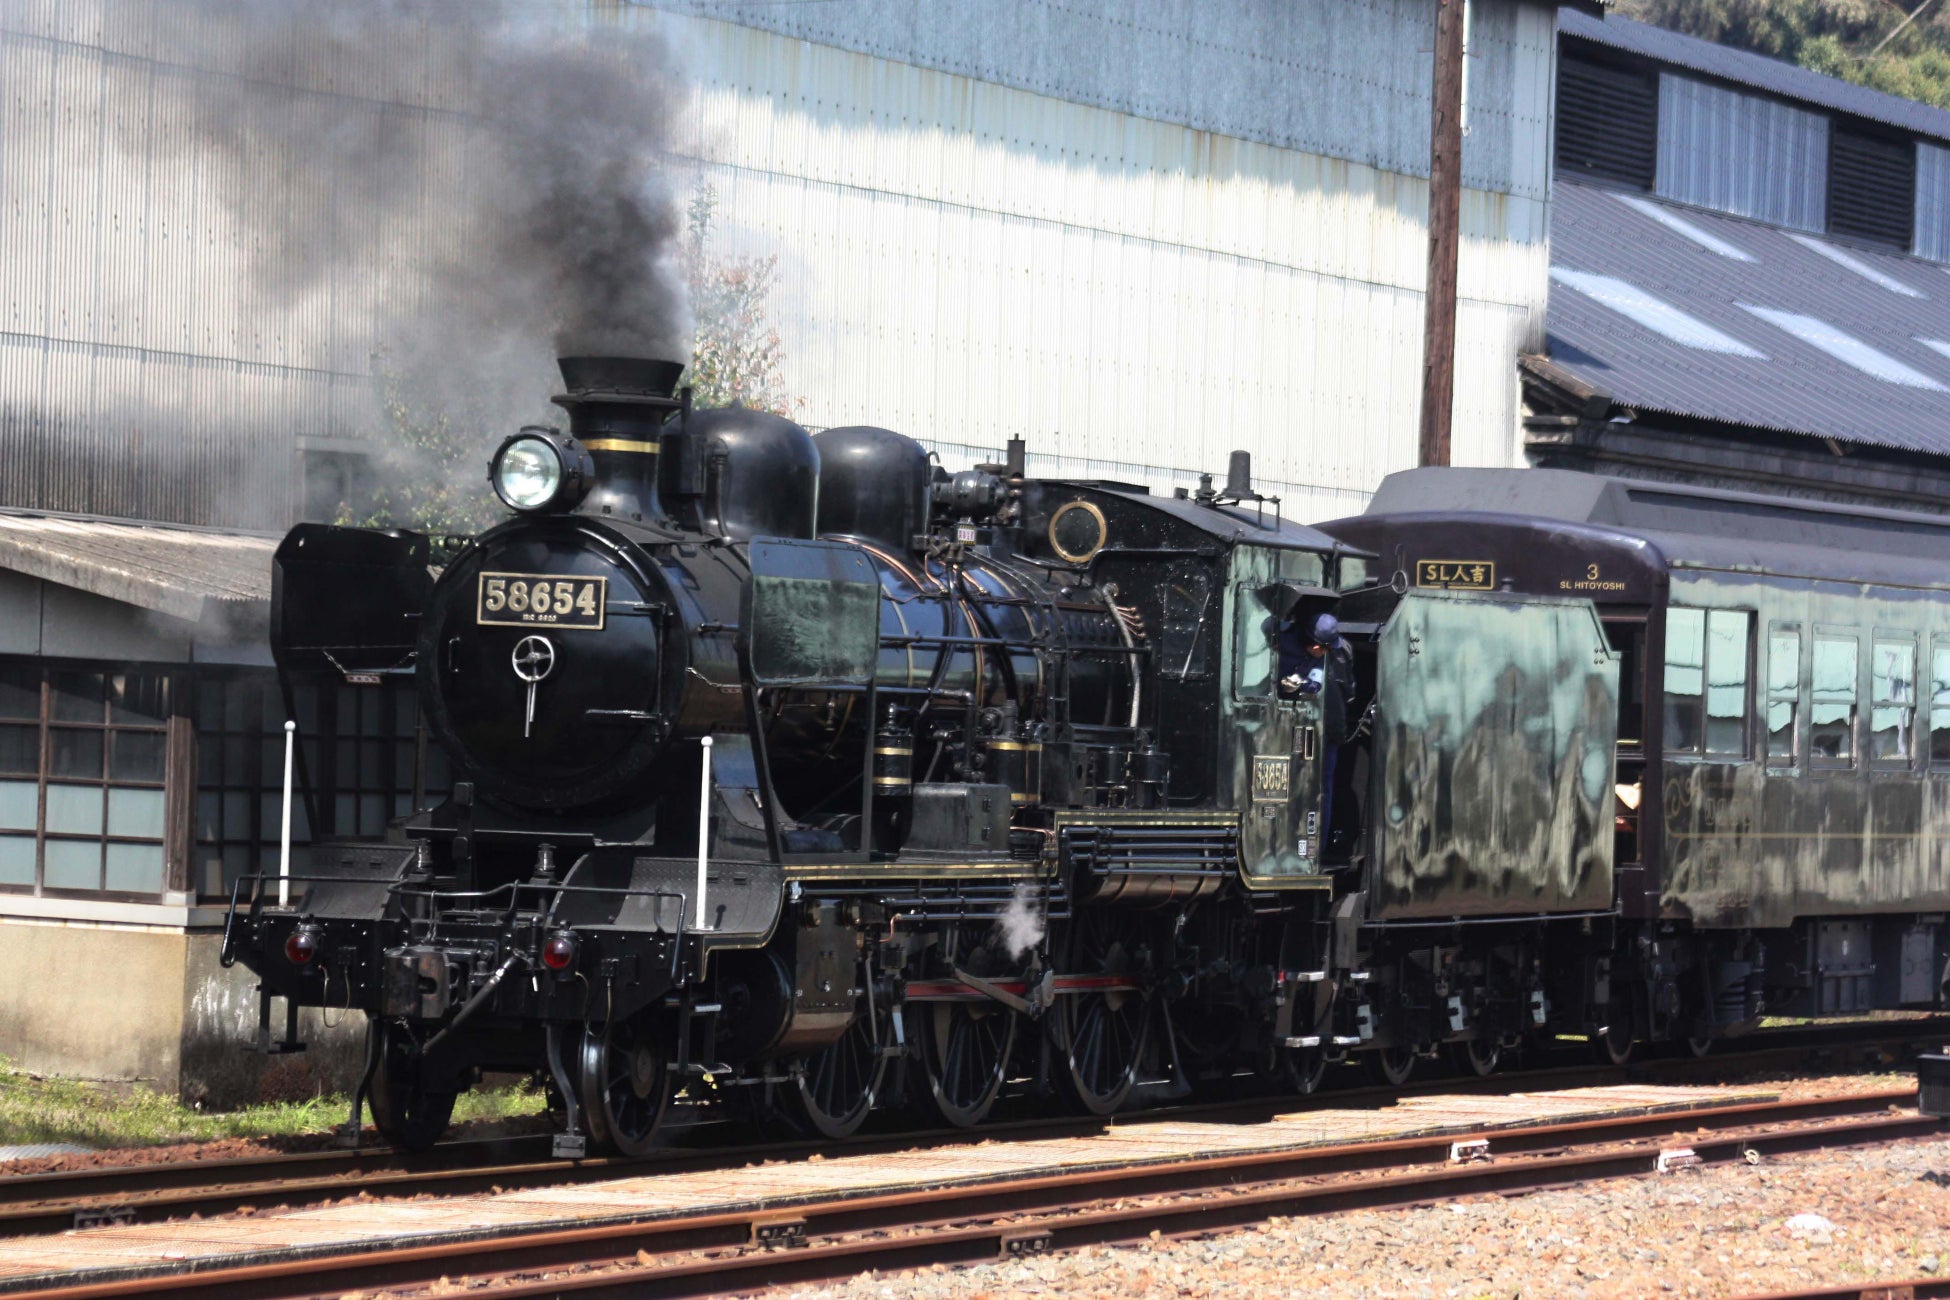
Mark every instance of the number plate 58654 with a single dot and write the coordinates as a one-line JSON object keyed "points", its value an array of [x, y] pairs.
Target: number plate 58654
{"points": [[538, 600]]}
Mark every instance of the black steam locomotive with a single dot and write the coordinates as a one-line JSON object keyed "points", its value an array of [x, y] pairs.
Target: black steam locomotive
{"points": [[797, 773]]}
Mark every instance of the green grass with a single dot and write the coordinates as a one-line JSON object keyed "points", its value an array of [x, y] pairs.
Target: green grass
{"points": [[38, 1109]]}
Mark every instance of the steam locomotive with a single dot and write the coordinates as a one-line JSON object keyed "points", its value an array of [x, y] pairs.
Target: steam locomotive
{"points": [[796, 773]]}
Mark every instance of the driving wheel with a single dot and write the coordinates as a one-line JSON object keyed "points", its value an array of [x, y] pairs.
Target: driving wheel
{"points": [[964, 1046], [833, 1090], [1102, 1031]]}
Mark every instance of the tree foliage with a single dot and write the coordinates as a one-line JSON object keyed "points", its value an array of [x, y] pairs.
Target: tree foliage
{"points": [[737, 355], [1839, 38], [430, 472]]}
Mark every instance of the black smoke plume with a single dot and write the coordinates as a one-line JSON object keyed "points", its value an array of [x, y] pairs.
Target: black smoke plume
{"points": [[474, 184]]}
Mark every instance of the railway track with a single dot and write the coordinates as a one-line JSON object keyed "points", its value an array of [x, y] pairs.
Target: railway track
{"points": [[849, 1229], [93, 1197], [1920, 1288]]}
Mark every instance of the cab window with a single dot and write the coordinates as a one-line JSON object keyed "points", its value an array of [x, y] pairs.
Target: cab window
{"points": [[1253, 633]]}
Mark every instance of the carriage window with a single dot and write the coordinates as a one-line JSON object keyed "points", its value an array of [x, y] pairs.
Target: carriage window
{"points": [[1706, 681], [1783, 695], [1940, 706], [1892, 676], [1685, 678], [1726, 682], [1185, 643], [1831, 736]]}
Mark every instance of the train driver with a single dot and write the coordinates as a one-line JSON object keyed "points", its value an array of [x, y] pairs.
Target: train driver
{"points": [[1315, 661]]}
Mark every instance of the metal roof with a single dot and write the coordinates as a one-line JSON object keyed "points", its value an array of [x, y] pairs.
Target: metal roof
{"points": [[1756, 71], [1237, 523], [198, 574], [1833, 340], [1690, 527]]}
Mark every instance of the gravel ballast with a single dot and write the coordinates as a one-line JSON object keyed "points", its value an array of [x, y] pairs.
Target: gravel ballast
{"points": [[1824, 1219]]}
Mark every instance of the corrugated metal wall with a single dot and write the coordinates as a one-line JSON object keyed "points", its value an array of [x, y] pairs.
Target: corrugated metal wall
{"points": [[1932, 202], [1743, 154], [1346, 79], [1137, 241], [140, 372], [964, 260]]}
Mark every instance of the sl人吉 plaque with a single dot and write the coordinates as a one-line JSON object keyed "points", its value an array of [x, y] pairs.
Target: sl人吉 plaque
{"points": [[1456, 575]]}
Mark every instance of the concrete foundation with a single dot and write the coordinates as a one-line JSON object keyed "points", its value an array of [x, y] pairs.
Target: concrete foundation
{"points": [[153, 1005]]}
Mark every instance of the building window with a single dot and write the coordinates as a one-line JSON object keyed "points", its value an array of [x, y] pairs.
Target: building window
{"points": [[1892, 702], [1746, 154], [1831, 716], [83, 761], [1871, 187], [240, 776], [1607, 122], [1932, 236], [1783, 696], [1706, 682], [362, 759]]}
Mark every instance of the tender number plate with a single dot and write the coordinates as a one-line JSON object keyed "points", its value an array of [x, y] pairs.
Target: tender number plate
{"points": [[536, 600]]}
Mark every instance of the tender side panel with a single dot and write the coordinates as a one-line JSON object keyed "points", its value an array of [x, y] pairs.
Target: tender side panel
{"points": [[1494, 737]]}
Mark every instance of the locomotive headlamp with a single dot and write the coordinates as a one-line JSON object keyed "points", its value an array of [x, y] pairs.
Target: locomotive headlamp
{"points": [[540, 469], [301, 945], [559, 953]]}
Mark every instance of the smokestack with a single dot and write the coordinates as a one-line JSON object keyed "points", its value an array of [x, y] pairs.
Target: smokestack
{"points": [[617, 407]]}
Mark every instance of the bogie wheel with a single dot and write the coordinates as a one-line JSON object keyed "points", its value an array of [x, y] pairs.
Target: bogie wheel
{"points": [[1479, 1056], [1392, 1065], [1303, 1069], [408, 1113], [833, 1090], [964, 1047], [1101, 1034], [1614, 1043], [626, 1084]]}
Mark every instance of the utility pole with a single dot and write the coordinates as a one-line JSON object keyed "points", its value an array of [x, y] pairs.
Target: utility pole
{"points": [[1445, 219]]}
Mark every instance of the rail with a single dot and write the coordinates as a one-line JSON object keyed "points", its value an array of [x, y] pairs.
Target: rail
{"points": [[39, 1203], [851, 1227]]}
